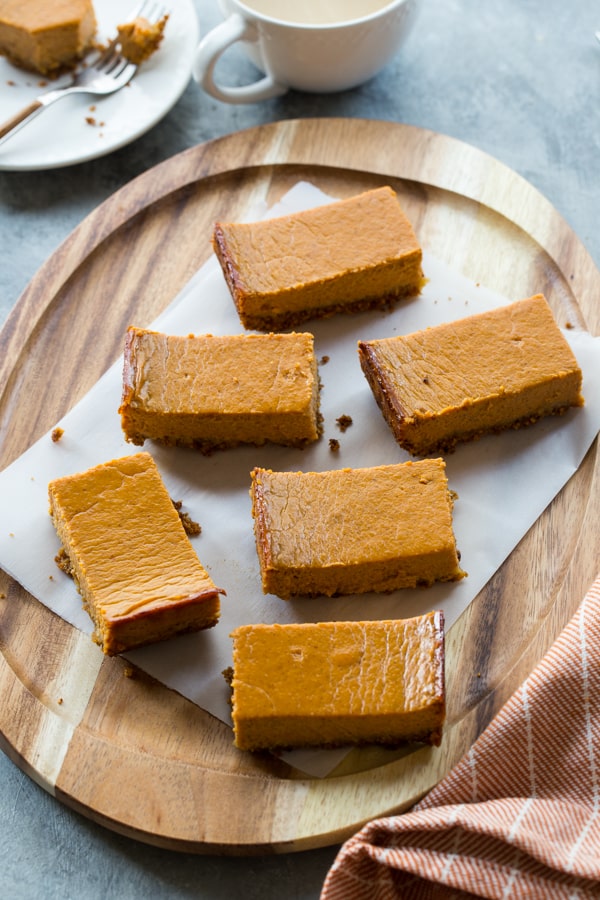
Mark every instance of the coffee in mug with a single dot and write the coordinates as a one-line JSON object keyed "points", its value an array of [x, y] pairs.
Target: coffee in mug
{"points": [[316, 12], [320, 46]]}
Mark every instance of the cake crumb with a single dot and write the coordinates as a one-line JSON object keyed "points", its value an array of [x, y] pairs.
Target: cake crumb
{"points": [[191, 528], [128, 672], [63, 562], [344, 422], [60, 701], [140, 39], [11, 83], [90, 120], [56, 435], [334, 445], [569, 325], [324, 360], [228, 676], [2, 595]]}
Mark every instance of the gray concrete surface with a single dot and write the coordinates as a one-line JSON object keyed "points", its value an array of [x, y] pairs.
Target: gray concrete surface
{"points": [[520, 79]]}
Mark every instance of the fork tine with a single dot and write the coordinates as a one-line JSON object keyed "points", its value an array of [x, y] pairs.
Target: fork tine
{"points": [[138, 10], [147, 9], [106, 55], [116, 65]]}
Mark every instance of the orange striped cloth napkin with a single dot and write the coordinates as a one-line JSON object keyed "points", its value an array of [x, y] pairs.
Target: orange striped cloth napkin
{"points": [[519, 816]]}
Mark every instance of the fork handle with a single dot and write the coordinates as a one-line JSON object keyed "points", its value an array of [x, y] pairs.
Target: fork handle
{"points": [[20, 118]]}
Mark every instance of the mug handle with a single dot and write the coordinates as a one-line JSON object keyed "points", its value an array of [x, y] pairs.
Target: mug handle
{"points": [[210, 48]]}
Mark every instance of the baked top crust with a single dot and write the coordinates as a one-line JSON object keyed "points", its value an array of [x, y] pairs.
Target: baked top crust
{"points": [[36, 15], [335, 683]]}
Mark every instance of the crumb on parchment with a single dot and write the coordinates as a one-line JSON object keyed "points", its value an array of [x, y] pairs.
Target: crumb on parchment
{"points": [[191, 528], [63, 562]]}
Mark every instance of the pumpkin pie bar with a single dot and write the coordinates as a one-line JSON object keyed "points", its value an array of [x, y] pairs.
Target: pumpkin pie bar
{"points": [[129, 555], [338, 683], [352, 531], [347, 256], [484, 373], [46, 36], [214, 392]]}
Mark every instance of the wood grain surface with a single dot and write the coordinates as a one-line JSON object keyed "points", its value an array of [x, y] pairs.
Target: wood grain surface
{"points": [[127, 752]]}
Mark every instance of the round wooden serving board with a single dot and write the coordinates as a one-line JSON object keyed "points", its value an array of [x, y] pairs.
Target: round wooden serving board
{"points": [[127, 752]]}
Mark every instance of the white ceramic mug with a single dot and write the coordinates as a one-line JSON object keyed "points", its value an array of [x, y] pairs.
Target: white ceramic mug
{"points": [[320, 46]]}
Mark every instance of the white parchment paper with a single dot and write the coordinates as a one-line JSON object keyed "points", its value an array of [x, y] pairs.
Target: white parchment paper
{"points": [[503, 482]]}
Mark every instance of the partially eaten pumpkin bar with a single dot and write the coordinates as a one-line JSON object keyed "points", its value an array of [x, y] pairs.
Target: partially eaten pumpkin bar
{"points": [[347, 256], [484, 373], [131, 560], [211, 392], [338, 683], [46, 37], [353, 531]]}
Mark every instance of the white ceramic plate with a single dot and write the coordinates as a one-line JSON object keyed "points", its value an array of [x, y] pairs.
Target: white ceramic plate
{"points": [[62, 135]]}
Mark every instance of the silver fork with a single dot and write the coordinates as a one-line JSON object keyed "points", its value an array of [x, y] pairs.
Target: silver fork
{"points": [[109, 72]]}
